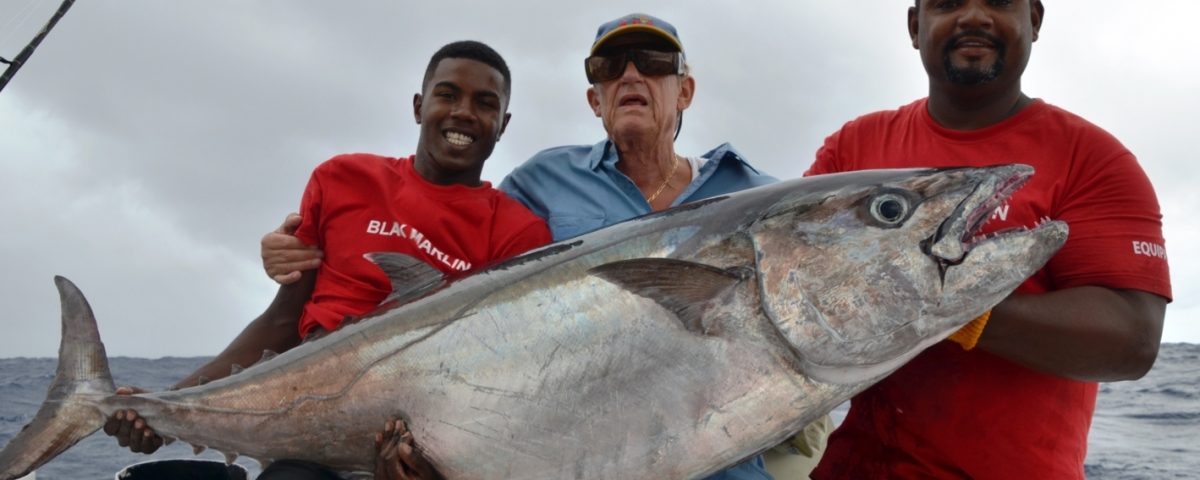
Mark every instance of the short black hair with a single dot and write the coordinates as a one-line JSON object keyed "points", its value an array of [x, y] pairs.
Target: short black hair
{"points": [[471, 50]]}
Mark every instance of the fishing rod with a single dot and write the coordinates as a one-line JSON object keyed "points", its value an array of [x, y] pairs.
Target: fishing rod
{"points": [[21, 58]]}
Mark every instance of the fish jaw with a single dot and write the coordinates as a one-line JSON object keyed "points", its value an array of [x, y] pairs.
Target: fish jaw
{"points": [[856, 297], [992, 264], [978, 271]]}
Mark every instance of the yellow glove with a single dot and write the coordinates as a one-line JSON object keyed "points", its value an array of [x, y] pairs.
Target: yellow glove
{"points": [[968, 335], [796, 457]]}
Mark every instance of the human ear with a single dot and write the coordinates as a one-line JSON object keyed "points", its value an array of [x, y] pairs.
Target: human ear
{"points": [[1036, 12], [687, 91], [417, 108], [913, 25], [593, 98], [503, 125]]}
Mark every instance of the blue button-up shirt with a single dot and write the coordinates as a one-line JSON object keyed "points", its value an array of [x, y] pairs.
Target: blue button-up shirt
{"points": [[578, 189]]}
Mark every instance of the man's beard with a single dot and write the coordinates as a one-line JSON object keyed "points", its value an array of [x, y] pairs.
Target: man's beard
{"points": [[969, 76]]}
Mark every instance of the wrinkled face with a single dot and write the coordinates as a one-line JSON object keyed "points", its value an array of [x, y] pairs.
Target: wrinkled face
{"points": [[462, 113], [861, 277], [636, 105], [973, 42]]}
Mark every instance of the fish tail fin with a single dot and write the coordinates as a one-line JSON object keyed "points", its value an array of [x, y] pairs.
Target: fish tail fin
{"points": [[69, 413]]}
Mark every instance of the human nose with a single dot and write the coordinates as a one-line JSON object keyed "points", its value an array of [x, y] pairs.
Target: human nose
{"points": [[975, 15], [463, 109], [631, 72]]}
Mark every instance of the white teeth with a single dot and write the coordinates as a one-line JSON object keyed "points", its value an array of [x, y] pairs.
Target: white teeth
{"points": [[459, 139]]}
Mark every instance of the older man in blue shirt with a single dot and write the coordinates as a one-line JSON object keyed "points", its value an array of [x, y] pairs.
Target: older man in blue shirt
{"points": [[640, 86], [580, 188]]}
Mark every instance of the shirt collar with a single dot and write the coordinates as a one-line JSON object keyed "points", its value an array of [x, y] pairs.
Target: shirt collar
{"points": [[605, 153]]}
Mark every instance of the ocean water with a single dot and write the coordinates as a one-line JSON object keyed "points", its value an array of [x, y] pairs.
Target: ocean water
{"points": [[1148, 429]]}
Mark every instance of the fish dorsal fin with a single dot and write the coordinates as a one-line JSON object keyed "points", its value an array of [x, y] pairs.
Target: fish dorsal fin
{"points": [[198, 449], [266, 356], [230, 457], [411, 277], [682, 287]]}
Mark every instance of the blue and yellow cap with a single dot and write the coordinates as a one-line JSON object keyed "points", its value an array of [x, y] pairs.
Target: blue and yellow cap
{"points": [[636, 22]]}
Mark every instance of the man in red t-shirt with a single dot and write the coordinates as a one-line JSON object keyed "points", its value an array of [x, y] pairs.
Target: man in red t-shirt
{"points": [[1014, 398], [431, 206]]}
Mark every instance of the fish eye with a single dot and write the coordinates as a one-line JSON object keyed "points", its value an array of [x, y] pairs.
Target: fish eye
{"points": [[889, 208]]}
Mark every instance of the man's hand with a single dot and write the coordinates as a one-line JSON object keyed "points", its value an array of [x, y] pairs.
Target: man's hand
{"points": [[130, 430], [396, 457], [284, 256]]}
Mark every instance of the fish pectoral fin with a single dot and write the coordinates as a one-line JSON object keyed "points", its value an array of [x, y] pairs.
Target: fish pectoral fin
{"points": [[411, 277], [682, 287]]}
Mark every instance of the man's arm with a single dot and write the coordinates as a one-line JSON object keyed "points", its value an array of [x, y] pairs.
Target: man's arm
{"points": [[1086, 333]]}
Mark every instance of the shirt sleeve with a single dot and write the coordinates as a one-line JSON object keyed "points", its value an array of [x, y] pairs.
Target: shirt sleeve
{"points": [[310, 210], [513, 186], [534, 233], [827, 157], [1115, 238]]}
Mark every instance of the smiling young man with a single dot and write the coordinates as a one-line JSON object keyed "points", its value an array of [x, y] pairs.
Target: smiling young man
{"points": [[432, 206], [1015, 400]]}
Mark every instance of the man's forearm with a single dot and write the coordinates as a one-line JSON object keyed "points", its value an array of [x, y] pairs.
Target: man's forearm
{"points": [[1085, 333]]}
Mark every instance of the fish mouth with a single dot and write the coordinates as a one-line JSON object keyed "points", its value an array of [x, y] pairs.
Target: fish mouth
{"points": [[958, 234]]}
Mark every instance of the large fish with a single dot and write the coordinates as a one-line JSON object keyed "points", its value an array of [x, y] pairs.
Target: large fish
{"points": [[668, 346]]}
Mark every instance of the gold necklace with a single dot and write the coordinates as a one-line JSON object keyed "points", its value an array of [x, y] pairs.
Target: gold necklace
{"points": [[674, 168]]}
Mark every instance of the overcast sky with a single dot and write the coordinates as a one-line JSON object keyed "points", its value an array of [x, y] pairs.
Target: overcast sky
{"points": [[148, 145]]}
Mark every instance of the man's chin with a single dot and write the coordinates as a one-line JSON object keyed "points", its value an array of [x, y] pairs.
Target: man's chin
{"points": [[455, 159], [973, 75]]}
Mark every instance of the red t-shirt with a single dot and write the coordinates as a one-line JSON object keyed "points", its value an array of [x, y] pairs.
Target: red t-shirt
{"points": [[359, 203], [951, 413]]}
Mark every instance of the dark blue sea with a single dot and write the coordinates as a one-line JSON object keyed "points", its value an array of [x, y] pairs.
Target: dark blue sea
{"points": [[1148, 429]]}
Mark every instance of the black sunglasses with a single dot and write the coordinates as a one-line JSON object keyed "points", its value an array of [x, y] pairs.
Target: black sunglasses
{"points": [[651, 63]]}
